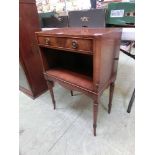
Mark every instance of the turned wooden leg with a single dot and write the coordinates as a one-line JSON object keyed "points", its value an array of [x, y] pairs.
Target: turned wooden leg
{"points": [[50, 85], [131, 102], [111, 96], [71, 93], [95, 112]]}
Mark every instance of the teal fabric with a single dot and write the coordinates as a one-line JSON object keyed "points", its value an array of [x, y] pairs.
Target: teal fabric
{"points": [[43, 16], [128, 7]]}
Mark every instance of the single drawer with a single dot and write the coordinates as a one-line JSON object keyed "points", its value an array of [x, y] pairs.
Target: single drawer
{"points": [[73, 44]]}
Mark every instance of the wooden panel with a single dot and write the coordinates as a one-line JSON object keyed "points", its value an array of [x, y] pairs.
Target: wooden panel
{"points": [[73, 44], [71, 77], [47, 41], [82, 44], [27, 1], [29, 51], [106, 59]]}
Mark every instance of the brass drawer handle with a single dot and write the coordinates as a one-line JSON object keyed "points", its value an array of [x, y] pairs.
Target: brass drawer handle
{"points": [[74, 44], [47, 41]]}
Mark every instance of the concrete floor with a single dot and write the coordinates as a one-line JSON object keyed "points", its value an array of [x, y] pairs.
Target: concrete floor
{"points": [[68, 129]]}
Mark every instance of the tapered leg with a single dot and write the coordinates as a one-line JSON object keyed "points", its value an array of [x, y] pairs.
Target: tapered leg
{"points": [[131, 102], [50, 87], [111, 96], [71, 93], [95, 112]]}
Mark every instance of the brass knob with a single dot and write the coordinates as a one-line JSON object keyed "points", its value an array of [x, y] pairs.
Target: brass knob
{"points": [[47, 41], [74, 44]]}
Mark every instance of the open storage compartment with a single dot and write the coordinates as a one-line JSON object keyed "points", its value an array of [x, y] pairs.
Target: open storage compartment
{"points": [[73, 67]]}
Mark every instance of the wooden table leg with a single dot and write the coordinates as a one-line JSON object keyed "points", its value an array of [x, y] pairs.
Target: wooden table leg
{"points": [[71, 93], [131, 102], [95, 112], [50, 85], [111, 91]]}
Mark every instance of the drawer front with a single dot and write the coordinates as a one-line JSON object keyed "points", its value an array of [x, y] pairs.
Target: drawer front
{"points": [[83, 45], [47, 41], [80, 44]]}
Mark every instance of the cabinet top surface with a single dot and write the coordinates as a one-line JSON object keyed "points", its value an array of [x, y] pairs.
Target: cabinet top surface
{"points": [[84, 32]]}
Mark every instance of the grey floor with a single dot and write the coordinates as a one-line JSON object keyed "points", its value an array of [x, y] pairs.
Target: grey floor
{"points": [[68, 129]]}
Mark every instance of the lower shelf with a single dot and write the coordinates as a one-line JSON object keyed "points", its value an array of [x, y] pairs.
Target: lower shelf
{"points": [[71, 77]]}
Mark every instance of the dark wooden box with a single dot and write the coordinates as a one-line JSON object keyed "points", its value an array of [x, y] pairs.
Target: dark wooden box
{"points": [[87, 18]]}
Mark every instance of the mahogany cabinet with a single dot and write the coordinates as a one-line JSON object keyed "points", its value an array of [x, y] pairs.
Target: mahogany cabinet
{"points": [[81, 59], [31, 80]]}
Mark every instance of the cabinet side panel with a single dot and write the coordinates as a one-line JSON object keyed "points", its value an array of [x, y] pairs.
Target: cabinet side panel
{"points": [[103, 62], [116, 55], [105, 65], [96, 62], [107, 57]]}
